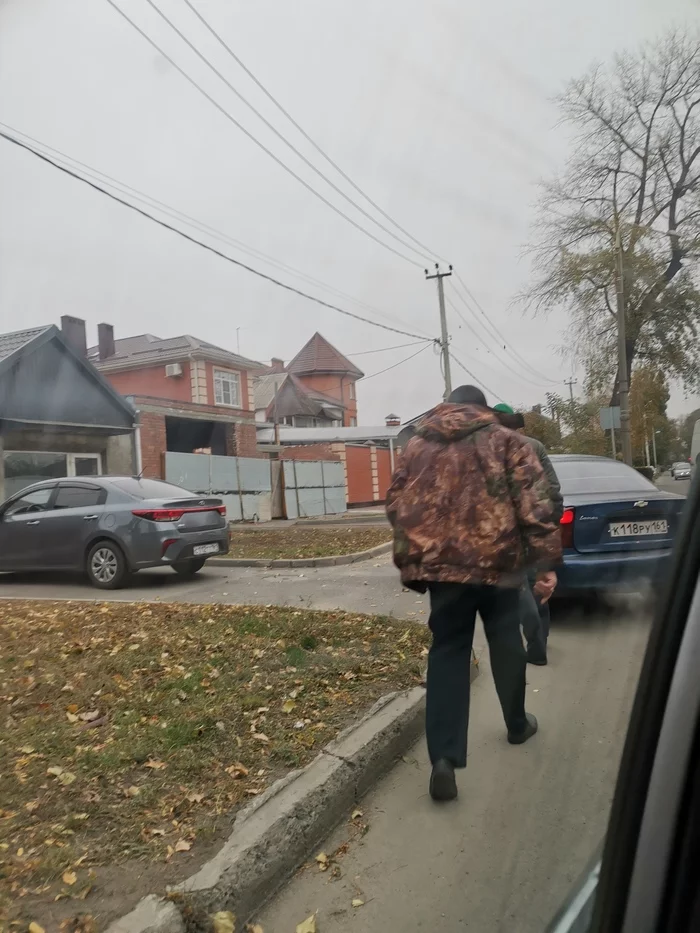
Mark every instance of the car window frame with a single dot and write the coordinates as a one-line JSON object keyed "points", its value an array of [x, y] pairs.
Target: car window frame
{"points": [[25, 492], [65, 484]]}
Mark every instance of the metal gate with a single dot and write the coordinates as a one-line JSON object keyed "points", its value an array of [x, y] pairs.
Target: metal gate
{"points": [[243, 483], [313, 487]]}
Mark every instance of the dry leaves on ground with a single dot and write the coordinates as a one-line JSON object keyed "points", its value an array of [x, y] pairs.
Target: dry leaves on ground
{"points": [[298, 542], [194, 706]]}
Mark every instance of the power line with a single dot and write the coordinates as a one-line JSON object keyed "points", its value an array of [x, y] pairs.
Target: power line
{"points": [[206, 246], [257, 142], [149, 200], [399, 346], [277, 133], [303, 132], [476, 380], [499, 336], [400, 363], [525, 374]]}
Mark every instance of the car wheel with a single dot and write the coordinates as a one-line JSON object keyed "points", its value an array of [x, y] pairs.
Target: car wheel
{"points": [[188, 568], [106, 566]]}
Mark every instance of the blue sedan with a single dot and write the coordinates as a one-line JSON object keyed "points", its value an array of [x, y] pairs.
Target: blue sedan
{"points": [[617, 527]]}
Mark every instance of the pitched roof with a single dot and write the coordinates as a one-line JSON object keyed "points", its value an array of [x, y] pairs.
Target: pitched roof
{"points": [[319, 356], [293, 397], [17, 346], [266, 387], [147, 349], [10, 343]]}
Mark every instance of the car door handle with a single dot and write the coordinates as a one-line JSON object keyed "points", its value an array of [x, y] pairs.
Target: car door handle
{"points": [[35, 522], [89, 518]]}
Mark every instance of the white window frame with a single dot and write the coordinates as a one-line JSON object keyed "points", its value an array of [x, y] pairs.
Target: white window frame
{"points": [[70, 459], [353, 422], [233, 378], [351, 389]]}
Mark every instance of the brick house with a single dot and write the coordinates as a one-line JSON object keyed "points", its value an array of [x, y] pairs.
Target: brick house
{"points": [[316, 389], [190, 395]]}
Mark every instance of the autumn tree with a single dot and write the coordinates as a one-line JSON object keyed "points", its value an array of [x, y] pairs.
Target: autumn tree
{"points": [[649, 397], [546, 430], [579, 422], [634, 172]]}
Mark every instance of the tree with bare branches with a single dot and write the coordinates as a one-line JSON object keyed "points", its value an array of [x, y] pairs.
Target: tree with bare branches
{"points": [[635, 169]]}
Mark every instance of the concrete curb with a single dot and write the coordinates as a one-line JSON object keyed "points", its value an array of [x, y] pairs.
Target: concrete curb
{"points": [[304, 561], [278, 831]]}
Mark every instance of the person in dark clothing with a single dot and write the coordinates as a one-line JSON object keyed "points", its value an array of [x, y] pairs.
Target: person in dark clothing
{"points": [[471, 511], [534, 611]]}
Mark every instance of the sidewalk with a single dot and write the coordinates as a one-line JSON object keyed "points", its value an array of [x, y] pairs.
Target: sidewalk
{"points": [[502, 858]]}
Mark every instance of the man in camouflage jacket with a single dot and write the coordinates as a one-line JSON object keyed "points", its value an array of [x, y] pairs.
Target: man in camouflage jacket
{"points": [[471, 512]]}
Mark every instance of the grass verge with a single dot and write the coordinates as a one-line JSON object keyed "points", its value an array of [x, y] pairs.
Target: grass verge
{"points": [[132, 732], [294, 542]]}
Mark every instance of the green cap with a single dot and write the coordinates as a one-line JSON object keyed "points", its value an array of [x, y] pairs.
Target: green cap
{"points": [[506, 409]]}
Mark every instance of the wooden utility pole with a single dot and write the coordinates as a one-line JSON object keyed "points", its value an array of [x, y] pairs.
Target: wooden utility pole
{"points": [[622, 381], [444, 337], [571, 383]]}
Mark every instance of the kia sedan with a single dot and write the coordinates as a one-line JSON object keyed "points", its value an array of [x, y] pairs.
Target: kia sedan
{"points": [[110, 527], [617, 527]]}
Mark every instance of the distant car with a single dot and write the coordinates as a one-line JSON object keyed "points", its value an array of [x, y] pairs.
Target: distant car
{"points": [[617, 527], [109, 527], [681, 470]]}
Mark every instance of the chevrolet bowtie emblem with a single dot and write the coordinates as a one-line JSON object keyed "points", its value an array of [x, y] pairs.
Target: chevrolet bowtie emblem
{"points": [[640, 503]]}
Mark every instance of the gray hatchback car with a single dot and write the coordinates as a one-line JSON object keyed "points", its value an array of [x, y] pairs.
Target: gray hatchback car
{"points": [[110, 527]]}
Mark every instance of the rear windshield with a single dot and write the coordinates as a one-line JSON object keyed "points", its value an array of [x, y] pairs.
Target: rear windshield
{"points": [[151, 489], [591, 476]]}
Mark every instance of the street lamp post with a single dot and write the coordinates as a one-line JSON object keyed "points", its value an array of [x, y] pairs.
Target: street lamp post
{"points": [[623, 383]]}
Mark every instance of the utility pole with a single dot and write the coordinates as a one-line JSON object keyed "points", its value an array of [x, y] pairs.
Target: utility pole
{"points": [[623, 384], [444, 339], [571, 383]]}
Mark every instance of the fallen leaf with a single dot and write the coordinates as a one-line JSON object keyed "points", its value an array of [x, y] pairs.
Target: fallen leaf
{"points": [[224, 922], [132, 791], [155, 765], [288, 706], [254, 928], [72, 708], [81, 895], [54, 771], [195, 798], [237, 770], [356, 814], [322, 860], [35, 928], [358, 902], [66, 778], [32, 806], [27, 750], [182, 845], [69, 877], [90, 716], [260, 736], [71, 717], [308, 926]]}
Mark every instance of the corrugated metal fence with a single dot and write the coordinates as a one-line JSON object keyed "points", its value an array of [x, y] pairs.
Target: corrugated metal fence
{"points": [[245, 484], [313, 487]]}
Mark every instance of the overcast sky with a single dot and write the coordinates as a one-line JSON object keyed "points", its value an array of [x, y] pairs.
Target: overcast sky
{"points": [[439, 110]]}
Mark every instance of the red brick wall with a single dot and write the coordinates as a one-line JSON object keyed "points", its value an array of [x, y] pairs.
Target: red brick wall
{"points": [[246, 444], [153, 381], [359, 467], [309, 452], [331, 385], [185, 407], [383, 471], [152, 431]]}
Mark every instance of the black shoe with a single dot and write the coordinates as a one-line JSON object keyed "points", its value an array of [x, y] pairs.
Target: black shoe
{"points": [[517, 738], [443, 785], [536, 657]]}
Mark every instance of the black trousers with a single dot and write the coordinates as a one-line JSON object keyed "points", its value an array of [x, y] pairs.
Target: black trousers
{"points": [[453, 609], [534, 616]]}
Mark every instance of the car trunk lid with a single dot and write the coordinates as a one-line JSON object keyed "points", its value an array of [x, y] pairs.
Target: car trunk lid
{"points": [[207, 513], [612, 523]]}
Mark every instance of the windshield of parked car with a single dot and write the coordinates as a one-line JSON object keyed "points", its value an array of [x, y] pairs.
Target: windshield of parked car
{"points": [[591, 476]]}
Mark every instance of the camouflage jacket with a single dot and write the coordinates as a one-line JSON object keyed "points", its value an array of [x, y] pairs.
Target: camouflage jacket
{"points": [[470, 503]]}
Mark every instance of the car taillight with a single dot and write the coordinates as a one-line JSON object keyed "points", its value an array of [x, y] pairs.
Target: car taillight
{"points": [[567, 528], [174, 515]]}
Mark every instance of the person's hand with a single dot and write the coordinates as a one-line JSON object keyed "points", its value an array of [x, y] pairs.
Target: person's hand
{"points": [[545, 585]]}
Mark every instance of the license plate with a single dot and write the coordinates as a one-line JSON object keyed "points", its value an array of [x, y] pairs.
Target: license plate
{"points": [[638, 529], [199, 549]]}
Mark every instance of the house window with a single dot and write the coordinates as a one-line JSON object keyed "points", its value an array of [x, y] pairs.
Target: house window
{"points": [[227, 388], [351, 389], [353, 422]]}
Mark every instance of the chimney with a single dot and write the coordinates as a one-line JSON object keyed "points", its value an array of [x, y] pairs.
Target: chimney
{"points": [[392, 421], [105, 341], [73, 329], [276, 365]]}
